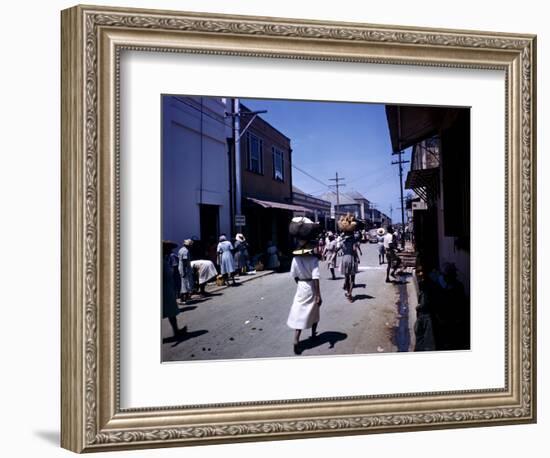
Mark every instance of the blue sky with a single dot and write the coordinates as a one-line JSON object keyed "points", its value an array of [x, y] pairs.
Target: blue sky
{"points": [[349, 138]]}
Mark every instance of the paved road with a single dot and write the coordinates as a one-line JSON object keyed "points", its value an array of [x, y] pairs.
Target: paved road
{"points": [[249, 320]]}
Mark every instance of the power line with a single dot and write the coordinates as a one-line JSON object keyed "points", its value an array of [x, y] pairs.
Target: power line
{"points": [[180, 99], [310, 176]]}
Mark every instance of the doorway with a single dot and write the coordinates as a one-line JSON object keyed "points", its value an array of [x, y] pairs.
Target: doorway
{"points": [[210, 221]]}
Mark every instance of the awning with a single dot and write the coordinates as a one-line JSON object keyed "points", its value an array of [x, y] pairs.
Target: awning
{"points": [[409, 125], [279, 205], [425, 182]]}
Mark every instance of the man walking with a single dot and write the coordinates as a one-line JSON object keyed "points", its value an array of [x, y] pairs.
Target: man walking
{"points": [[391, 254]]}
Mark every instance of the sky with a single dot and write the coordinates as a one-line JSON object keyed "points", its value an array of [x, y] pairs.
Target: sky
{"points": [[349, 138]]}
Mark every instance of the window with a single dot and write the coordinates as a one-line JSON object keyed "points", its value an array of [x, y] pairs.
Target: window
{"points": [[278, 164], [255, 154]]}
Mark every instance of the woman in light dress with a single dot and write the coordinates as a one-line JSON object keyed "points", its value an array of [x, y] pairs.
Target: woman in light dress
{"points": [[226, 261], [241, 254], [304, 312], [381, 250], [330, 254], [350, 253], [350, 264]]}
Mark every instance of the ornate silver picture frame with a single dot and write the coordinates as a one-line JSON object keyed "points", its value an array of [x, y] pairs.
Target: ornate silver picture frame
{"points": [[93, 39]]}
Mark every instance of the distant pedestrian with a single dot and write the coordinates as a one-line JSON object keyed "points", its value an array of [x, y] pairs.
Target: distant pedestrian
{"points": [[350, 259], [380, 232], [321, 245], [226, 261], [393, 260], [273, 262], [327, 237], [304, 312], [170, 308], [331, 254], [185, 270], [241, 254]]}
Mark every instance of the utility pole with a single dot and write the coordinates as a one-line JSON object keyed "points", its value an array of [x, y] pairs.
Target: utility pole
{"points": [[391, 212], [400, 162], [237, 142], [337, 186], [236, 114]]}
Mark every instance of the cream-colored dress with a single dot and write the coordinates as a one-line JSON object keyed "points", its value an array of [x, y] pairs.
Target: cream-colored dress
{"points": [[304, 312]]}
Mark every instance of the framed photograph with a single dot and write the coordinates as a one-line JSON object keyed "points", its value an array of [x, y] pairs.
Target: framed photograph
{"points": [[278, 228]]}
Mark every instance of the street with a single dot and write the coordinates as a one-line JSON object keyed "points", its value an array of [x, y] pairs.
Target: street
{"points": [[249, 320]]}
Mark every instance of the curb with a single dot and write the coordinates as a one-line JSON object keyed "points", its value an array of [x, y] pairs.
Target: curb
{"points": [[242, 280]]}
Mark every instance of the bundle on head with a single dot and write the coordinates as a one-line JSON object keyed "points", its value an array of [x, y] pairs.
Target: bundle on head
{"points": [[347, 223], [303, 228]]}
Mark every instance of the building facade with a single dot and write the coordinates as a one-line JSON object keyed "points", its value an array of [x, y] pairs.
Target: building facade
{"points": [[195, 168], [266, 174], [440, 178], [316, 209], [341, 205]]}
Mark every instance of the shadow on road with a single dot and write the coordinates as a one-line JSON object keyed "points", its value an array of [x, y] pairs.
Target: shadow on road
{"points": [[360, 297], [330, 337], [198, 300], [183, 336], [398, 282], [187, 308], [360, 285]]}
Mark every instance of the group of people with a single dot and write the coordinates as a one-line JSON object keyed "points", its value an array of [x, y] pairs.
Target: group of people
{"points": [[188, 270], [192, 271], [235, 259], [388, 246], [348, 247], [343, 249], [304, 269]]}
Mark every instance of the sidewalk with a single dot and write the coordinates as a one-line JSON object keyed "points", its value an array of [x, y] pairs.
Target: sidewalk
{"points": [[212, 287]]}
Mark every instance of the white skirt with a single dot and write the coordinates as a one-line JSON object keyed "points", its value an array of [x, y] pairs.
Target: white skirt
{"points": [[304, 313]]}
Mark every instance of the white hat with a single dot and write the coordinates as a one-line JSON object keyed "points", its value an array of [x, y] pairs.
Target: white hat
{"points": [[380, 231]]}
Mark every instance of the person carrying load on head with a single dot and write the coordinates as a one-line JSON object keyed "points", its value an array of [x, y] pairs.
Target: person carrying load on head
{"points": [[304, 269]]}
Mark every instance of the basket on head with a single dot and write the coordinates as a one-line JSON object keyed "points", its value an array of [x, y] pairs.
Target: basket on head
{"points": [[303, 228], [347, 223]]}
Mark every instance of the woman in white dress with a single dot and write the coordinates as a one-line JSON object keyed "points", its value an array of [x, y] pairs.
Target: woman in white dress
{"points": [[226, 261], [304, 312], [205, 271]]}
